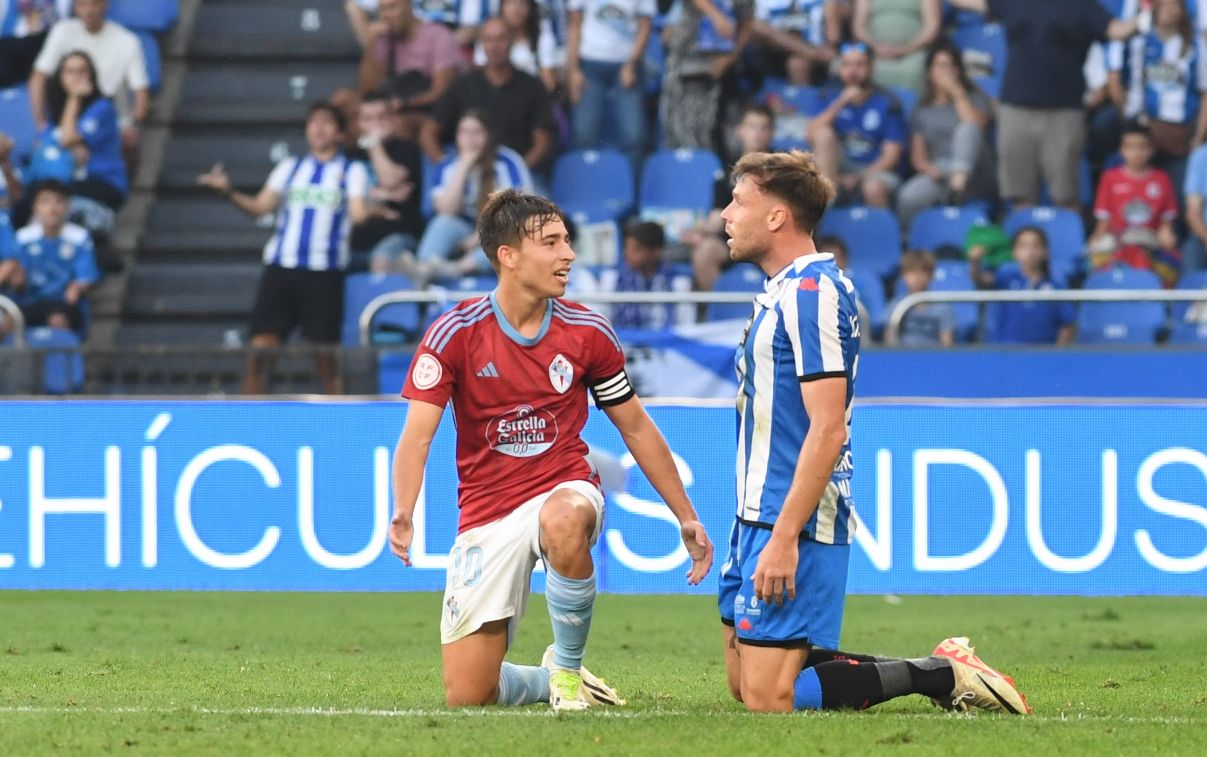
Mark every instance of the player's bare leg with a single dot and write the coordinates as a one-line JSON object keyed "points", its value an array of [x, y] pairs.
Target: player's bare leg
{"points": [[471, 666], [768, 676], [733, 661], [567, 522]]}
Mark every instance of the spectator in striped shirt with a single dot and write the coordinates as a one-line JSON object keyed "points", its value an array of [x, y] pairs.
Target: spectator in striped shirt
{"points": [[317, 197]]}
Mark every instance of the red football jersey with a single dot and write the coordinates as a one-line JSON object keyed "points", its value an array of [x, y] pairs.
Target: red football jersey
{"points": [[1128, 201], [519, 404]]}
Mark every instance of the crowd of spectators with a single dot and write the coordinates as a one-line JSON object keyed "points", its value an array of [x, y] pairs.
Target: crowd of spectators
{"points": [[1086, 108]]}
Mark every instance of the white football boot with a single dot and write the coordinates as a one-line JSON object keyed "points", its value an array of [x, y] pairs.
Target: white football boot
{"points": [[595, 690], [977, 684]]}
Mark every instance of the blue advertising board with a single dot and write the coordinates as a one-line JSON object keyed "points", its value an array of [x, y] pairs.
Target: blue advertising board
{"points": [[952, 498]]}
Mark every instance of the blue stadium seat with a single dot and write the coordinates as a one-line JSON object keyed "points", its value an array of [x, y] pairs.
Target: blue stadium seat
{"points": [[1189, 280], [871, 234], [1066, 235], [394, 323], [907, 98], [63, 365], [595, 183], [869, 288], [145, 15], [679, 179], [936, 227], [983, 46], [1115, 6], [150, 52], [475, 284], [779, 93], [677, 188], [392, 371], [17, 120], [1121, 322], [739, 277], [1189, 332]]}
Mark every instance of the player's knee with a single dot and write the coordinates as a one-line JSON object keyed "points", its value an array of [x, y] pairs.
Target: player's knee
{"points": [[567, 520], [457, 694], [765, 700]]}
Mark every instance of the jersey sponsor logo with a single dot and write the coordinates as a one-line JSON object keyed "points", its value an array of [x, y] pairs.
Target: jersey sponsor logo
{"points": [[561, 373], [522, 432], [427, 372]]}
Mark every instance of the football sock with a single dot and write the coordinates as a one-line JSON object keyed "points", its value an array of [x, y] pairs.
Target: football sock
{"points": [[858, 685], [522, 684], [571, 603], [818, 655]]}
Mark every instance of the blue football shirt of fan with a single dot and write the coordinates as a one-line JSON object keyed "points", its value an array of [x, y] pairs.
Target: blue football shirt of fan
{"points": [[805, 327], [52, 263], [864, 127], [1027, 322]]}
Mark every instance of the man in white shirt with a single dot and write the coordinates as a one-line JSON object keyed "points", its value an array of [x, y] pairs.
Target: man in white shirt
{"points": [[117, 55]]}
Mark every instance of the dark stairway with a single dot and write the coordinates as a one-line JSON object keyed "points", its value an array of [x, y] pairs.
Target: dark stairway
{"points": [[253, 68]]}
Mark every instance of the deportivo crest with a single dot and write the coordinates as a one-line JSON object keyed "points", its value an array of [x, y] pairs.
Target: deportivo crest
{"points": [[561, 373]]}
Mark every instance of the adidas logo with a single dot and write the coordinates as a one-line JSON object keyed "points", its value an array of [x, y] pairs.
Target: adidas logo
{"points": [[487, 371]]}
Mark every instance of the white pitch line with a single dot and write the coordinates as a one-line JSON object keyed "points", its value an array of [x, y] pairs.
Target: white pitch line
{"points": [[330, 712], [504, 712]]}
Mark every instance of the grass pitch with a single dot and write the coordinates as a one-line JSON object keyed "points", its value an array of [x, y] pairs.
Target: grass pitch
{"points": [[216, 673]]}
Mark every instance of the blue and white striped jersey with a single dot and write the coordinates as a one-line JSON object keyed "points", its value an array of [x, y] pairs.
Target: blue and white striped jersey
{"points": [[1166, 78], [312, 225], [805, 326]]}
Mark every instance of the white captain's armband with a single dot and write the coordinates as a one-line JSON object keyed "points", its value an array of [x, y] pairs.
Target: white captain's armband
{"points": [[612, 390]]}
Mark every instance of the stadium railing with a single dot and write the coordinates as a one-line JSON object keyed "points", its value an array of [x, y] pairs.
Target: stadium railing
{"points": [[907, 303], [445, 297], [17, 319]]}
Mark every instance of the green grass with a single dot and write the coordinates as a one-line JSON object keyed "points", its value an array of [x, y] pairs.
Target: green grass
{"points": [[213, 673]]}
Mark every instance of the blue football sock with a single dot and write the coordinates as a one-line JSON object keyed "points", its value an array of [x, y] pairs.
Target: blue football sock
{"points": [[806, 693], [571, 602], [522, 684]]}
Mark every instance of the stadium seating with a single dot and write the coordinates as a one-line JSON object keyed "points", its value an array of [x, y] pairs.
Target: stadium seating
{"points": [[740, 277], [272, 30], [677, 188], [871, 235], [145, 15], [150, 51], [1189, 280], [1121, 322], [17, 120], [1066, 235], [63, 365], [907, 98], [870, 291], [1189, 332], [984, 52], [598, 184], [475, 284], [944, 226], [392, 324]]}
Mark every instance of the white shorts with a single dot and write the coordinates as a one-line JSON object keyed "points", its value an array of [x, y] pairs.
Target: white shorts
{"points": [[490, 567]]}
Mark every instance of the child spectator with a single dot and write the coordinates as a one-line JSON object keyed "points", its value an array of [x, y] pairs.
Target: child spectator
{"points": [[928, 325], [54, 266], [643, 270], [1024, 322], [1136, 209]]}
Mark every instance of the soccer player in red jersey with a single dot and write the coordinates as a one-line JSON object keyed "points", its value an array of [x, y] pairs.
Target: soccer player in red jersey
{"points": [[517, 366]]}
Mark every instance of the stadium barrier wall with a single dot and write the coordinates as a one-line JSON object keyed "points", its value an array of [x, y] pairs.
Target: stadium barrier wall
{"points": [[293, 495]]}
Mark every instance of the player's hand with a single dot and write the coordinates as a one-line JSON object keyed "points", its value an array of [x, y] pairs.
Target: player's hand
{"points": [[402, 531], [216, 179], [699, 547], [775, 573]]}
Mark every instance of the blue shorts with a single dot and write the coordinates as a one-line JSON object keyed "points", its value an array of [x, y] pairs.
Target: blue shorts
{"points": [[813, 619]]}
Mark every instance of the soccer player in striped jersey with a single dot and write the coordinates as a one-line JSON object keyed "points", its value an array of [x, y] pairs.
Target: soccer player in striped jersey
{"points": [[319, 197], [782, 588], [517, 367]]}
